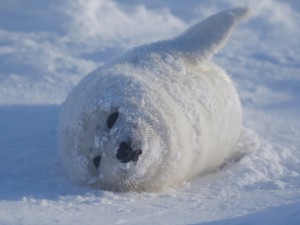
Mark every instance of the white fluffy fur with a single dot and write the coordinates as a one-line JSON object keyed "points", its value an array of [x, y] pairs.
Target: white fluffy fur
{"points": [[182, 110]]}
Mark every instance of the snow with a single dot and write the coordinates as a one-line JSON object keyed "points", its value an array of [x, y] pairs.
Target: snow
{"points": [[41, 62]]}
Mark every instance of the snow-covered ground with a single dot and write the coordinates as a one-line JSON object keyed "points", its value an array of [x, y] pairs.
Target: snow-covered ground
{"points": [[46, 47]]}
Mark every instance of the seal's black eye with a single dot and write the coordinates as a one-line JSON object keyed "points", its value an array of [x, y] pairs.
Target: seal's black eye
{"points": [[112, 119], [96, 161]]}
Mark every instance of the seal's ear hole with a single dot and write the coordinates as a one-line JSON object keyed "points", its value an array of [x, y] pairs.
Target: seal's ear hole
{"points": [[112, 119], [96, 161]]}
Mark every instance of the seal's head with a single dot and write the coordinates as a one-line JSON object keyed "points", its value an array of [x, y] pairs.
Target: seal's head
{"points": [[125, 152]]}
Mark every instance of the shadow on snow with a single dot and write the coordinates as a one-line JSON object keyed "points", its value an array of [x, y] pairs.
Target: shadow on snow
{"points": [[29, 161]]}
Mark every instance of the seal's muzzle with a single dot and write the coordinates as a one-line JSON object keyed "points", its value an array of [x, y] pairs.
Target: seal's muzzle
{"points": [[126, 154]]}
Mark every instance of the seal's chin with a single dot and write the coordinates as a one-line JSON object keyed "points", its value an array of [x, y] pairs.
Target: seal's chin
{"points": [[120, 176], [126, 178]]}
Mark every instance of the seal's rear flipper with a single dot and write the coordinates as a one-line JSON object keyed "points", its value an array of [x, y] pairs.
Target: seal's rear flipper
{"points": [[200, 42], [204, 39]]}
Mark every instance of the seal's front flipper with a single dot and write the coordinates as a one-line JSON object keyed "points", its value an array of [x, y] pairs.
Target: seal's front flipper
{"points": [[204, 39]]}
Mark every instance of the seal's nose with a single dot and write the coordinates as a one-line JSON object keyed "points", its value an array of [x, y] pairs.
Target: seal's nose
{"points": [[126, 154]]}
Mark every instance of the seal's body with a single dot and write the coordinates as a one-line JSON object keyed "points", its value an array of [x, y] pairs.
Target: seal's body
{"points": [[157, 115]]}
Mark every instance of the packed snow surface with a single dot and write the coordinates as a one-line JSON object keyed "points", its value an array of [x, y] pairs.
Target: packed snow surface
{"points": [[47, 47]]}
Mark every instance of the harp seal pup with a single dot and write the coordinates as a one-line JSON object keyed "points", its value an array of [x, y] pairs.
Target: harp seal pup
{"points": [[156, 116]]}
